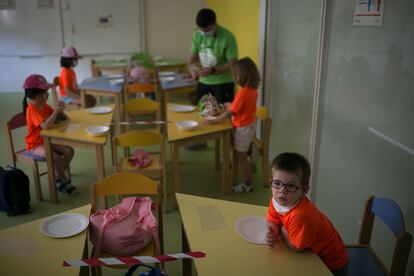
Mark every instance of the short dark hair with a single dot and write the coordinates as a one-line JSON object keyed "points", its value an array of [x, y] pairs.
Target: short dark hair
{"points": [[293, 163], [245, 73], [205, 17], [66, 62]]}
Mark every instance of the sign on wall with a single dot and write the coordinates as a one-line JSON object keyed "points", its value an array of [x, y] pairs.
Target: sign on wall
{"points": [[368, 12]]}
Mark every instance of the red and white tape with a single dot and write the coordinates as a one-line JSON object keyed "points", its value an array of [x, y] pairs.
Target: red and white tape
{"points": [[134, 259]]}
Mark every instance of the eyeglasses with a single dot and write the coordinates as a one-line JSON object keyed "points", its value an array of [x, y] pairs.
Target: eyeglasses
{"points": [[277, 184]]}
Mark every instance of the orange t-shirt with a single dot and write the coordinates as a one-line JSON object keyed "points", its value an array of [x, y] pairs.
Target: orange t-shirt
{"points": [[34, 117], [67, 78], [308, 228], [243, 108]]}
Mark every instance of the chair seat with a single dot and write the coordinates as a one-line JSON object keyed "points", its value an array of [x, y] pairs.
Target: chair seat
{"points": [[153, 170], [361, 262], [31, 155]]}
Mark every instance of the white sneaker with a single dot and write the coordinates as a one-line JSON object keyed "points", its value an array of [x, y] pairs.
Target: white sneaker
{"points": [[242, 188]]}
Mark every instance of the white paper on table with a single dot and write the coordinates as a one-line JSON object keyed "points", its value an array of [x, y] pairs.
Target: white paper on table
{"points": [[71, 127], [19, 247]]}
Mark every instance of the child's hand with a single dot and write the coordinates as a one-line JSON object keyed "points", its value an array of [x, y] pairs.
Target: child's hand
{"points": [[60, 106], [273, 234]]}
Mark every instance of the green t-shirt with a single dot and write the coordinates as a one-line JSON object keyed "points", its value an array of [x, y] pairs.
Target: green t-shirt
{"points": [[214, 51]]}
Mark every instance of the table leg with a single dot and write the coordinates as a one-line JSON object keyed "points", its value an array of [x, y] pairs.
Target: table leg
{"points": [[50, 169], [186, 248], [100, 172], [83, 98], [226, 164], [217, 154], [175, 159], [118, 114]]}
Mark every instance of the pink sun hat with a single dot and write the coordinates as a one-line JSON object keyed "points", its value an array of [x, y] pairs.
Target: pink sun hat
{"points": [[70, 52], [36, 81]]}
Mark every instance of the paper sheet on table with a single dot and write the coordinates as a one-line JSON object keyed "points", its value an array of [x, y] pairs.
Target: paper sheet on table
{"points": [[210, 218], [19, 247]]}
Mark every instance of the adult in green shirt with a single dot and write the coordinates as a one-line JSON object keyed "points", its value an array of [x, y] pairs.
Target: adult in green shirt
{"points": [[213, 49]]}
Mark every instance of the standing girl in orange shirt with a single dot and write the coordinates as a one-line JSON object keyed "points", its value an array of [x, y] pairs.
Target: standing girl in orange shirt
{"points": [[242, 111], [39, 115]]}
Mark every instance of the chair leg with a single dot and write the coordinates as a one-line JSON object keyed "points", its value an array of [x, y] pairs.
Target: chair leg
{"points": [[164, 191], [36, 178], [217, 164]]}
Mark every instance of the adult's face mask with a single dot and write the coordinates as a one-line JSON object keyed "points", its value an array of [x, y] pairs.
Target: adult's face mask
{"points": [[207, 34]]}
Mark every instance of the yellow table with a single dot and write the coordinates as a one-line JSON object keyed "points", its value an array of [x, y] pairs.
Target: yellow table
{"points": [[104, 86], [25, 251], [229, 254], [73, 134], [202, 133]]}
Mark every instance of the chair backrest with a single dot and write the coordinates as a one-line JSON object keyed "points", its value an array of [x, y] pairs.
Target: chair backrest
{"points": [[17, 121], [390, 213], [137, 138], [263, 115], [141, 105], [137, 87], [54, 91]]}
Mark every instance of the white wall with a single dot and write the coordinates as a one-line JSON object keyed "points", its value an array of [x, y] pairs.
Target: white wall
{"points": [[170, 25]]}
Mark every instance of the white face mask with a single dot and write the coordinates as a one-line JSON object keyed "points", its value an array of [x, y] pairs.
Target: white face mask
{"points": [[283, 209], [207, 34]]}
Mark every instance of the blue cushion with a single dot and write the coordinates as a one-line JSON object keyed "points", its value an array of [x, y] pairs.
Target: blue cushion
{"points": [[34, 156], [361, 262]]}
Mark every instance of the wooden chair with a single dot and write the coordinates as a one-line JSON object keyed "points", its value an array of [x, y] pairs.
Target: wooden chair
{"points": [[18, 121], [260, 145], [143, 139], [142, 106], [122, 184], [362, 258]]}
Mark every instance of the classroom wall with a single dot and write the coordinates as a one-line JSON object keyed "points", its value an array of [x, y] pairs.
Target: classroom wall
{"points": [[170, 25], [241, 17]]}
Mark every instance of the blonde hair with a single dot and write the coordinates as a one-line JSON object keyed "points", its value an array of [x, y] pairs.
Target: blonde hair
{"points": [[245, 73]]}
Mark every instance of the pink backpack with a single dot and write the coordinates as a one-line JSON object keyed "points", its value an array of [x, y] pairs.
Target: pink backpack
{"points": [[125, 229]]}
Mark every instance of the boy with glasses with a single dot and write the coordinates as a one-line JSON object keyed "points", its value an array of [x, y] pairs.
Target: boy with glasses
{"points": [[292, 217]]}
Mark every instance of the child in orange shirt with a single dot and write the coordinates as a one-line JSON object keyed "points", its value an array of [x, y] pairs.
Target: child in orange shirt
{"points": [[39, 115], [293, 217], [68, 85], [243, 115]]}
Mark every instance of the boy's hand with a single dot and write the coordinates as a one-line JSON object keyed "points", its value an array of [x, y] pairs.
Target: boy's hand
{"points": [[273, 234]]}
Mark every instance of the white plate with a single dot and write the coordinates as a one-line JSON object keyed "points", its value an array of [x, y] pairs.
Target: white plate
{"points": [[97, 130], [99, 109], [64, 225], [186, 125], [182, 108], [167, 79], [252, 229], [166, 74]]}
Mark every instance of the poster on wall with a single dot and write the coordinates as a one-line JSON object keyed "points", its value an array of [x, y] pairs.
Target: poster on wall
{"points": [[368, 12], [45, 4]]}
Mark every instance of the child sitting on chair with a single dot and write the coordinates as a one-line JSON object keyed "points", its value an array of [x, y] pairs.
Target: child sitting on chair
{"points": [[243, 116], [39, 115], [292, 217], [68, 85]]}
